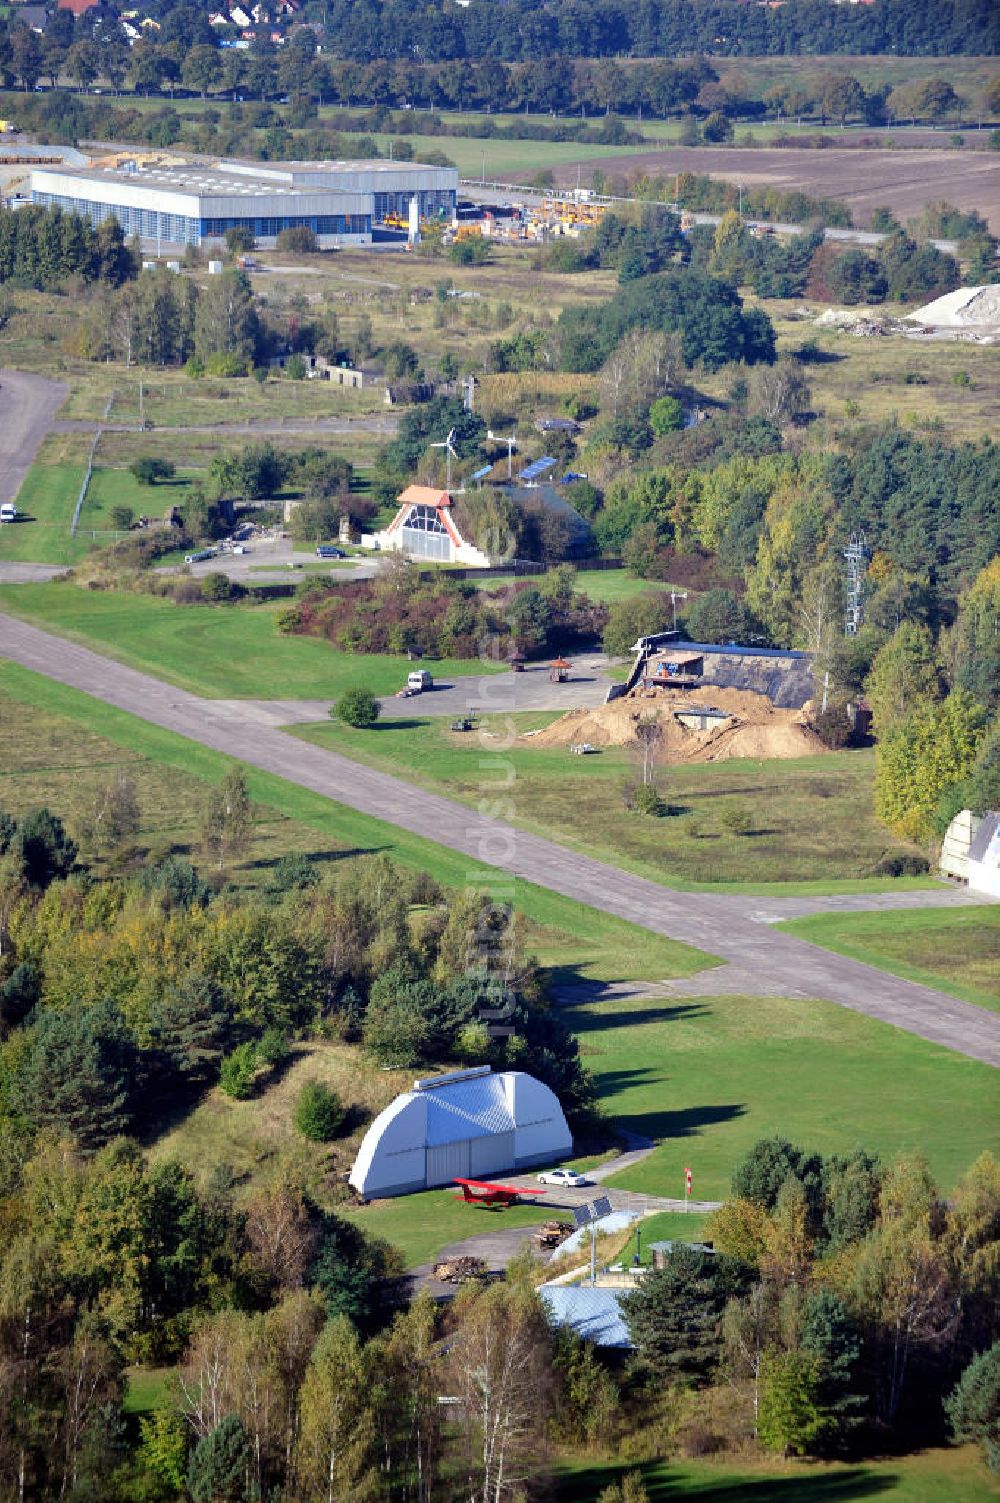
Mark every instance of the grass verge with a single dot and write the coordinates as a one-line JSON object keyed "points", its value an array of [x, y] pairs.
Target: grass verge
{"points": [[956, 950]]}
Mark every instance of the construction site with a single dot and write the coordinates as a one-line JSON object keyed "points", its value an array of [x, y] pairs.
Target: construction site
{"points": [[708, 703]]}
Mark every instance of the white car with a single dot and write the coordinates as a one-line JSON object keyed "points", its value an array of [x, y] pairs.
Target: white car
{"points": [[563, 1177]]}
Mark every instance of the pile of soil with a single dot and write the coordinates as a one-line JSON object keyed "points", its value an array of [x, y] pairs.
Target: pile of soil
{"points": [[753, 727], [979, 306]]}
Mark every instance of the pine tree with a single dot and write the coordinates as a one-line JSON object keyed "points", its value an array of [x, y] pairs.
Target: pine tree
{"points": [[76, 1074]]}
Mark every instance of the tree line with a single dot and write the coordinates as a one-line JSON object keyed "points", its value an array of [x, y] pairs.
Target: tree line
{"points": [[842, 1295], [42, 247], [844, 1302], [561, 77]]}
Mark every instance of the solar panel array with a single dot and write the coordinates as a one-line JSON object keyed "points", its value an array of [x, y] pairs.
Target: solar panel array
{"points": [[538, 467]]}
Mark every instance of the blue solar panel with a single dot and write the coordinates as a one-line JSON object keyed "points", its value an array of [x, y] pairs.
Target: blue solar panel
{"points": [[481, 474], [538, 467]]}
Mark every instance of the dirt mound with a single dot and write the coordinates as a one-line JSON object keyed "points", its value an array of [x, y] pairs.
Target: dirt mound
{"points": [[752, 726], [961, 308]]}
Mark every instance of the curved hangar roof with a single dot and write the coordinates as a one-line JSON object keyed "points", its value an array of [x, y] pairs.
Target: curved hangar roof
{"points": [[463, 1125]]}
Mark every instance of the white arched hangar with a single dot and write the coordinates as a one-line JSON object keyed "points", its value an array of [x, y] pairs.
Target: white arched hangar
{"points": [[465, 1125]]}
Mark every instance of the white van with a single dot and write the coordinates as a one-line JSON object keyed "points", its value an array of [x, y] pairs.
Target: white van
{"points": [[8, 512], [419, 679]]}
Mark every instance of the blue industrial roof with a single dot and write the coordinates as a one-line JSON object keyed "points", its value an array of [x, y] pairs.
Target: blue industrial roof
{"points": [[594, 1314], [481, 474]]}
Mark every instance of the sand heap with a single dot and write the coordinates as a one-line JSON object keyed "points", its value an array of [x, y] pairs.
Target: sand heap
{"points": [[966, 307], [753, 727]]}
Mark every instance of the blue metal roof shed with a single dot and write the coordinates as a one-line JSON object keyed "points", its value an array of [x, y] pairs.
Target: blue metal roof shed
{"points": [[594, 1314]]}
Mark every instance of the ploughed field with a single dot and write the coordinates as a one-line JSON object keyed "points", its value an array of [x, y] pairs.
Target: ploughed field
{"points": [[864, 179]]}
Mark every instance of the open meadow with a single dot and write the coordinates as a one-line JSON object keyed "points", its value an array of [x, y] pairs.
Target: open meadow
{"points": [[812, 819]]}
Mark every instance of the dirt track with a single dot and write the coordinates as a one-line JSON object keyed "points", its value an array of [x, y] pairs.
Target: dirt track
{"points": [[28, 405], [864, 179], [736, 929]]}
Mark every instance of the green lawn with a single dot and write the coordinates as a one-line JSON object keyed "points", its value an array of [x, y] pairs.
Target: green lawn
{"points": [[421, 1225], [49, 495], [606, 585], [223, 652], [46, 499], [575, 941], [705, 1078], [956, 950], [956, 1475], [814, 820], [116, 487]]}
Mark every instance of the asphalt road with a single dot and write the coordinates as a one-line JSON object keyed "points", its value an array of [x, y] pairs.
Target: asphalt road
{"points": [[736, 929], [28, 405]]}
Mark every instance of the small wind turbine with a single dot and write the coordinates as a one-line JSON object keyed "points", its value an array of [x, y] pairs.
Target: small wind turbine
{"points": [[446, 444], [510, 441]]}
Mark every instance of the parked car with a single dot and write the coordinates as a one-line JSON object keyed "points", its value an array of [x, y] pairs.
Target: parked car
{"points": [[8, 512], [566, 1177], [327, 550]]}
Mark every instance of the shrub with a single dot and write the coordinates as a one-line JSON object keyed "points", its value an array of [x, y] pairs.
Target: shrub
{"points": [[238, 1070], [666, 416], [357, 707], [644, 799], [295, 368], [194, 367], [319, 1114], [226, 365], [122, 518], [216, 587], [239, 238], [272, 1050], [298, 238], [148, 469], [737, 819], [902, 865]]}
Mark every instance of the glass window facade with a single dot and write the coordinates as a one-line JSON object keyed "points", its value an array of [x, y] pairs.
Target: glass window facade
{"points": [[434, 203], [425, 535], [180, 229], [150, 224]]}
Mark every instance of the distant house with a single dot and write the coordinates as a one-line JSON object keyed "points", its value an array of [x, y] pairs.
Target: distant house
{"points": [[348, 375], [672, 670], [403, 392], [238, 16], [425, 527], [35, 17], [970, 851], [557, 425]]}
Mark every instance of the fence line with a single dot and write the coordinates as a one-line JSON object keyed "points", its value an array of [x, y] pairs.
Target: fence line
{"points": [[86, 484], [90, 470]]}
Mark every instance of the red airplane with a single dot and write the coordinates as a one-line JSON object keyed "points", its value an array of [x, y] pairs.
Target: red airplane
{"points": [[478, 1192]]}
